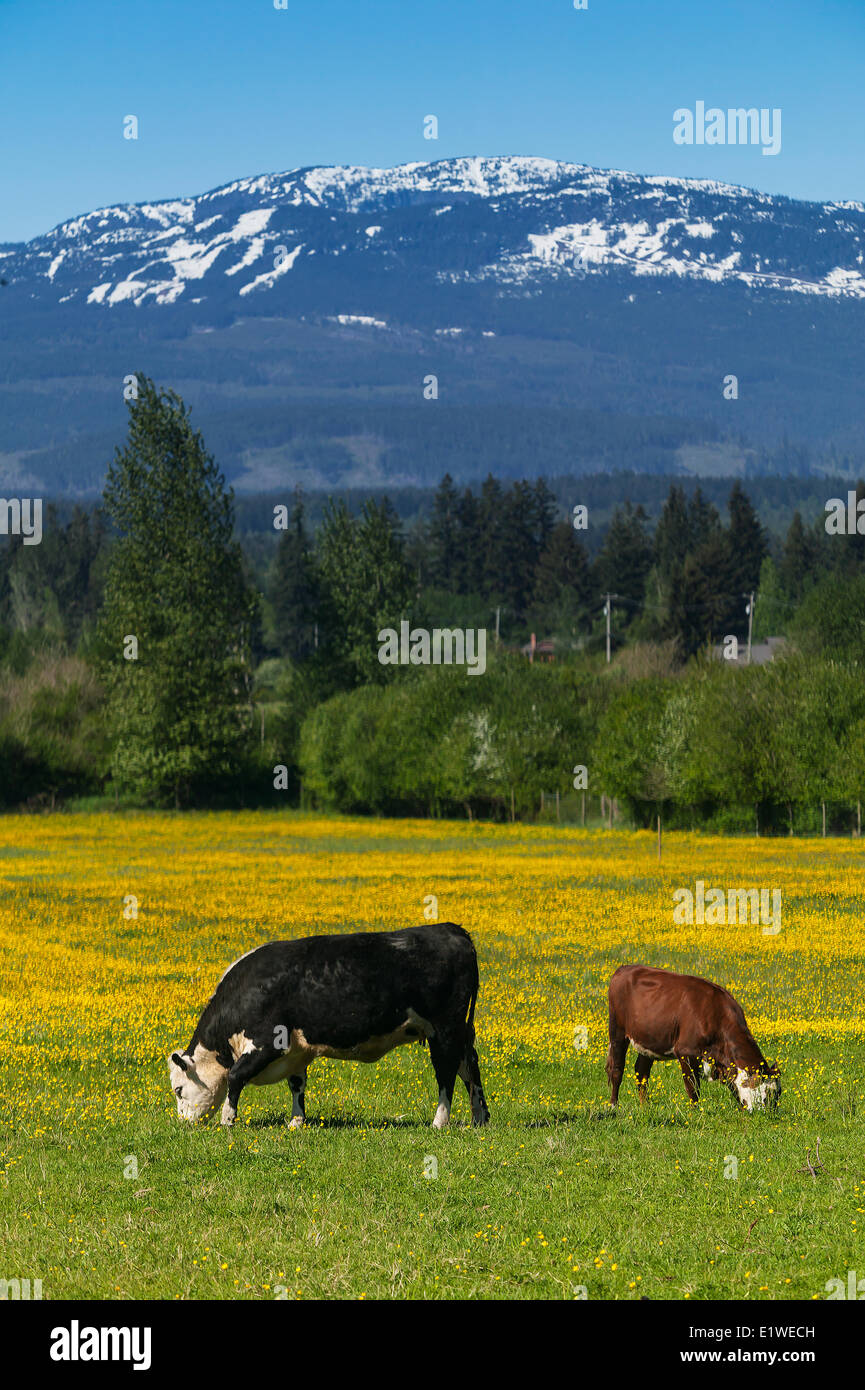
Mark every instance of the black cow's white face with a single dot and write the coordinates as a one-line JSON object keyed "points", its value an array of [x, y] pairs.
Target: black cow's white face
{"points": [[199, 1083]]}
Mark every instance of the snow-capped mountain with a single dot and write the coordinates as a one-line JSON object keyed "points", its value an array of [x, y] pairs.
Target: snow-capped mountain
{"points": [[537, 219], [573, 319]]}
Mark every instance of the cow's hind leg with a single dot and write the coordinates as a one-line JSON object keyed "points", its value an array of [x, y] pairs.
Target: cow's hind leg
{"points": [[298, 1100], [446, 1060], [470, 1072], [247, 1066], [688, 1078], [616, 1064], [642, 1067]]}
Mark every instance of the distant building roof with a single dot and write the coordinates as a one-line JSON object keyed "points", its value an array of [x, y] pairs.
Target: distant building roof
{"points": [[545, 650]]}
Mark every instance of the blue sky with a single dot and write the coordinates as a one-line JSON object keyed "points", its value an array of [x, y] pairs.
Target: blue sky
{"points": [[225, 88]]}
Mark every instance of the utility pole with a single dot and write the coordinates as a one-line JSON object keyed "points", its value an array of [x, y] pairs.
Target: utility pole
{"points": [[607, 610], [750, 624], [498, 617]]}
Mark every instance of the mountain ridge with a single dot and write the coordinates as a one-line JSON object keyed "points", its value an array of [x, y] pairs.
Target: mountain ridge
{"points": [[167, 235], [573, 318]]}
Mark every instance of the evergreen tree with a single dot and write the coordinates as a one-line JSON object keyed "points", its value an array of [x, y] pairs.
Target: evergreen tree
{"points": [[80, 575], [492, 538], [706, 604], [180, 709], [443, 536], [468, 569], [520, 549], [703, 520], [747, 541], [546, 511], [295, 590], [672, 534], [563, 581], [563, 565], [626, 556], [799, 559]]}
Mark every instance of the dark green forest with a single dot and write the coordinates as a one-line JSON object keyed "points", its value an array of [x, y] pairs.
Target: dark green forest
{"points": [[168, 647]]}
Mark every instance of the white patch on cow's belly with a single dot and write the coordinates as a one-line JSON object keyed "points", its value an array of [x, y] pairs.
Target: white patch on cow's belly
{"points": [[371, 1050], [644, 1052], [301, 1053], [288, 1064], [277, 1071]]}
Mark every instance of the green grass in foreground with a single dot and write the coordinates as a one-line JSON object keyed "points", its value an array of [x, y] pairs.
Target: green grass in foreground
{"points": [[535, 1206]]}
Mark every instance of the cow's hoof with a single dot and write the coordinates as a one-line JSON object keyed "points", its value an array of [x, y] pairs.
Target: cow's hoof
{"points": [[478, 1120], [296, 1123]]}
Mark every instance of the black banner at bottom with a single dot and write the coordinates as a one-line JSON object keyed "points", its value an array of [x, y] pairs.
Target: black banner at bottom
{"points": [[81, 1339]]}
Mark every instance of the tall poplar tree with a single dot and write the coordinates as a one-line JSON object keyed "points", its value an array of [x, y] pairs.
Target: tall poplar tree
{"points": [[178, 613]]}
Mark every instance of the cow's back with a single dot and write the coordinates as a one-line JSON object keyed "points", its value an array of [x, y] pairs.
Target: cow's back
{"points": [[649, 983], [344, 987], [666, 1012]]}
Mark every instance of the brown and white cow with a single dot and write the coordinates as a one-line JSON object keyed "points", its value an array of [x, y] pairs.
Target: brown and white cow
{"points": [[664, 1016]]}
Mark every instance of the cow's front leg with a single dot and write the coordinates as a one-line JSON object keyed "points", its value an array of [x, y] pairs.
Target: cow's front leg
{"points": [[298, 1100], [643, 1067], [446, 1061], [697, 1073], [247, 1066], [687, 1077]]}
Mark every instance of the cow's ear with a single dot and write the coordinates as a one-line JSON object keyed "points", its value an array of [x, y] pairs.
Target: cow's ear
{"points": [[179, 1061]]}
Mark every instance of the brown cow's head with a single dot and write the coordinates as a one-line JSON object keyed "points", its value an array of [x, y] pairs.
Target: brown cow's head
{"points": [[758, 1087]]}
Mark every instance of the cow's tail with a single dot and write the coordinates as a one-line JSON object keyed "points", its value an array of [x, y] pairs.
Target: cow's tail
{"points": [[473, 999]]}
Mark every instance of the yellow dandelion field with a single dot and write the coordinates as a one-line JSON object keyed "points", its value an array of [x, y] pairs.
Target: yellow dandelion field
{"points": [[114, 931]]}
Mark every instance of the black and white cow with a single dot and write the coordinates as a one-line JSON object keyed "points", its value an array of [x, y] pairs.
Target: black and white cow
{"points": [[355, 997]]}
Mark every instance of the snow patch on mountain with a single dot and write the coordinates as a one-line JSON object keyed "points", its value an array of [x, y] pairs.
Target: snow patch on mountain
{"points": [[269, 278]]}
